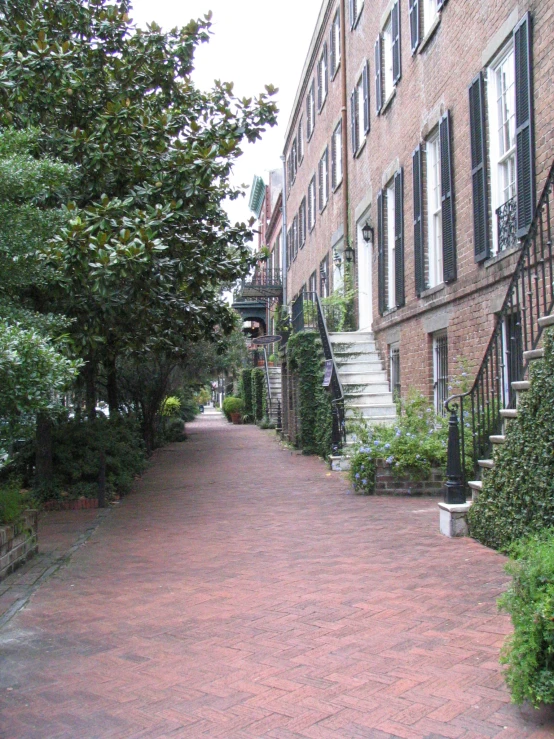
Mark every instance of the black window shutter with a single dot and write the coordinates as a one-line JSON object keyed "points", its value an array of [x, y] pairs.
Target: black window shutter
{"points": [[365, 84], [333, 160], [399, 238], [525, 149], [352, 9], [414, 24], [353, 122], [381, 250], [332, 50], [419, 256], [448, 232], [326, 77], [320, 177], [396, 56], [310, 214], [319, 86], [378, 79], [478, 168], [326, 181], [308, 117], [440, 3]]}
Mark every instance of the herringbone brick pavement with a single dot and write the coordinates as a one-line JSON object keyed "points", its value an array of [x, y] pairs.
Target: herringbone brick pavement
{"points": [[241, 591]]}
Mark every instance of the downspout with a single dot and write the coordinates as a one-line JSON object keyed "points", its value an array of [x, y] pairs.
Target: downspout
{"points": [[344, 125], [284, 231]]}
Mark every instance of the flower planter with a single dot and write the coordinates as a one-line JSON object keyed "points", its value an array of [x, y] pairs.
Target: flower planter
{"points": [[70, 505], [236, 418], [18, 543], [388, 484]]}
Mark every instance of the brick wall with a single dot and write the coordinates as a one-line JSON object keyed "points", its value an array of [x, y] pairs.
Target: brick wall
{"points": [[387, 484]]}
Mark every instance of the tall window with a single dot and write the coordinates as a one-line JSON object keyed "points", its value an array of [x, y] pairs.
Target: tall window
{"points": [[335, 44], [324, 277], [336, 157], [501, 101], [312, 205], [323, 173], [390, 245], [394, 357], [300, 140], [302, 223], [440, 370], [430, 13], [388, 63], [434, 212], [322, 78], [277, 252], [355, 8], [312, 282], [387, 59], [360, 109], [310, 111]]}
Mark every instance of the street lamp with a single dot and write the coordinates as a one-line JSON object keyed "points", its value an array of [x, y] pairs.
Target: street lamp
{"points": [[368, 232]]}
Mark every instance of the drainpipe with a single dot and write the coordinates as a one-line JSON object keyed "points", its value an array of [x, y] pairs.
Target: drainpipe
{"points": [[344, 124], [284, 231]]}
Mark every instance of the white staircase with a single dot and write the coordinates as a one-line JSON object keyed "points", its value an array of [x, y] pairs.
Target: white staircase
{"points": [[363, 378], [520, 387], [276, 393]]}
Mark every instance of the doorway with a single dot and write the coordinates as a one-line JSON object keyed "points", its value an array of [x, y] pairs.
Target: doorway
{"points": [[365, 295]]}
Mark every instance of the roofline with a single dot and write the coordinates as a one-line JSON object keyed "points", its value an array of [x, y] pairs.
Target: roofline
{"points": [[324, 13]]}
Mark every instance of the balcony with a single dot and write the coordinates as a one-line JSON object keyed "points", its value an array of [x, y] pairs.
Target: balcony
{"points": [[506, 220], [264, 283]]}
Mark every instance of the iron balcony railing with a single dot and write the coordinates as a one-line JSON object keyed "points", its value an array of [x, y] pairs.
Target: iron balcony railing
{"points": [[308, 314], [530, 296], [266, 282], [506, 220]]}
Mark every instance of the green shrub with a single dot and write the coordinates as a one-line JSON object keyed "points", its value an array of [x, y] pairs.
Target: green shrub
{"points": [[306, 361], [529, 651], [11, 503], [232, 405], [245, 392], [517, 499], [171, 407], [258, 382], [76, 447]]}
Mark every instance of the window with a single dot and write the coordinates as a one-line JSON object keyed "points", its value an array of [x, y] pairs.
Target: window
{"points": [[277, 252], [440, 371], [324, 277], [390, 245], [394, 357], [323, 174], [512, 352], [302, 223], [312, 282], [300, 139], [390, 238], [310, 111], [311, 204], [322, 78], [434, 211], [336, 157], [295, 236], [355, 7], [388, 69], [501, 110], [294, 160], [290, 251], [430, 14], [359, 104], [334, 44]]}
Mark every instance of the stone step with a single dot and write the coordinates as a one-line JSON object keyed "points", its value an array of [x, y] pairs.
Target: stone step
{"points": [[533, 354], [360, 347], [476, 487], [374, 365], [371, 411], [362, 378], [521, 385], [497, 439], [383, 398], [351, 337], [509, 413], [546, 321], [486, 464]]}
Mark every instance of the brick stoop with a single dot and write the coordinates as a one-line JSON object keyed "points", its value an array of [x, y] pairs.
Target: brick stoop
{"points": [[18, 543]]}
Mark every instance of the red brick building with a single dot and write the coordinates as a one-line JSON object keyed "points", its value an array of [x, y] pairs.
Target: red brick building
{"points": [[432, 124]]}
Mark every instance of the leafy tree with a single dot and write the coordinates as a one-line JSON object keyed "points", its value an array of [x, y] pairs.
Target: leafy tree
{"points": [[147, 244]]}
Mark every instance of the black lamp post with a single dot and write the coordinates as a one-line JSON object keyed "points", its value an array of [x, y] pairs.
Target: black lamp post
{"points": [[368, 232]]}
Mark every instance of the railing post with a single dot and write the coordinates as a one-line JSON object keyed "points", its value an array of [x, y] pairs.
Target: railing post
{"points": [[279, 426], [455, 489]]}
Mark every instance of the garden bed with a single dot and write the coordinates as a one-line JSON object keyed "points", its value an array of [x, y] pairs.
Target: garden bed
{"points": [[18, 543], [70, 505], [388, 484]]}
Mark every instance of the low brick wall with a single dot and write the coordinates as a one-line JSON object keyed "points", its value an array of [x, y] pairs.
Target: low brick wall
{"points": [[387, 484], [70, 505], [18, 543]]}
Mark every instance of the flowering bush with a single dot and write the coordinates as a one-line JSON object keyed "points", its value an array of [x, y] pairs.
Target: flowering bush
{"points": [[416, 443]]}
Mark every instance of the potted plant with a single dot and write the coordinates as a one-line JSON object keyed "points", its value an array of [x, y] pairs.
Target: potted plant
{"points": [[232, 407]]}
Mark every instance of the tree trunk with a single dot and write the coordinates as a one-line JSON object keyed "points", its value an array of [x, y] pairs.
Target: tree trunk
{"points": [[43, 461], [90, 384], [111, 385]]}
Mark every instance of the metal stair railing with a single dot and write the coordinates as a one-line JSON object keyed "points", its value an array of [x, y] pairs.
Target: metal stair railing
{"points": [[530, 296], [268, 385], [308, 314]]}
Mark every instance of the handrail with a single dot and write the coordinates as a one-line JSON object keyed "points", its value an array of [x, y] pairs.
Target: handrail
{"points": [[266, 367], [530, 295], [304, 317]]}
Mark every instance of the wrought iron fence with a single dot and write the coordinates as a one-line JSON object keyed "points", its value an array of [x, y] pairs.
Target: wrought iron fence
{"points": [[530, 296], [266, 277], [308, 314], [506, 220]]}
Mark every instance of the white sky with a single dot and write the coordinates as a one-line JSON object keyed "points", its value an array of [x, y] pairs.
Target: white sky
{"points": [[254, 43]]}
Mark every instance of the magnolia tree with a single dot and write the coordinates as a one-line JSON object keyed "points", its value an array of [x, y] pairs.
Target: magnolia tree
{"points": [[146, 243]]}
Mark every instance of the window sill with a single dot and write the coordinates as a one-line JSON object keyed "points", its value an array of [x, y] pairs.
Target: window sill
{"points": [[355, 24], [322, 210], [360, 148], [311, 229], [430, 33], [322, 105], [432, 290], [337, 186], [336, 71], [389, 311], [491, 261], [388, 101]]}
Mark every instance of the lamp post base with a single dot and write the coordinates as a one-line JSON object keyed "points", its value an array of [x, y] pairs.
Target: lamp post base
{"points": [[453, 519]]}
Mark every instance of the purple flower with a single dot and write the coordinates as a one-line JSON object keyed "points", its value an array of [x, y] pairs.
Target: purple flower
{"points": [[357, 475], [387, 446], [390, 460], [364, 482]]}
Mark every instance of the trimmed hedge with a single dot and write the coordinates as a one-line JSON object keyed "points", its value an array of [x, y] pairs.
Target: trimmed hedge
{"points": [[305, 359], [258, 381], [245, 392], [517, 499]]}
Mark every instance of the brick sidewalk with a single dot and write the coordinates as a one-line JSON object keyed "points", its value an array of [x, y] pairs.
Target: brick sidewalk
{"points": [[242, 592]]}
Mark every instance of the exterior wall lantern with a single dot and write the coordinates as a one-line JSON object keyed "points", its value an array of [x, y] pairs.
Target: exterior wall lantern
{"points": [[323, 274], [368, 232], [337, 259], [349, 254]]}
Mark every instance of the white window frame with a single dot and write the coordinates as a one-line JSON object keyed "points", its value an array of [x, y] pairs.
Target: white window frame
{"points": [[390, 245], [312, 198], [430, 15], [499, 161], [323, 75], [300, 139], [336, 156], [359, 98], [323, 175], [437, 378], [394, 364], [335, 32], [388, 78], [358, 6], [435, 274], [310, 110]]}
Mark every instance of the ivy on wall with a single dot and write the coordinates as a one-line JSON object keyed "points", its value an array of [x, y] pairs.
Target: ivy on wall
{"points": [[245, 392], [518, 494], [258, 381], [306, 361]]}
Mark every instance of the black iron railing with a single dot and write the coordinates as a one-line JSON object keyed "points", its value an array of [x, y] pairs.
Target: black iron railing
{"points": [[530, 296], [308, 314], [266, 277], [506, 220]]}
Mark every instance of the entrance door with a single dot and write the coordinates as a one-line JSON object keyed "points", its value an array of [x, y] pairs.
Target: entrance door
{"points": [[365, 304]]}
